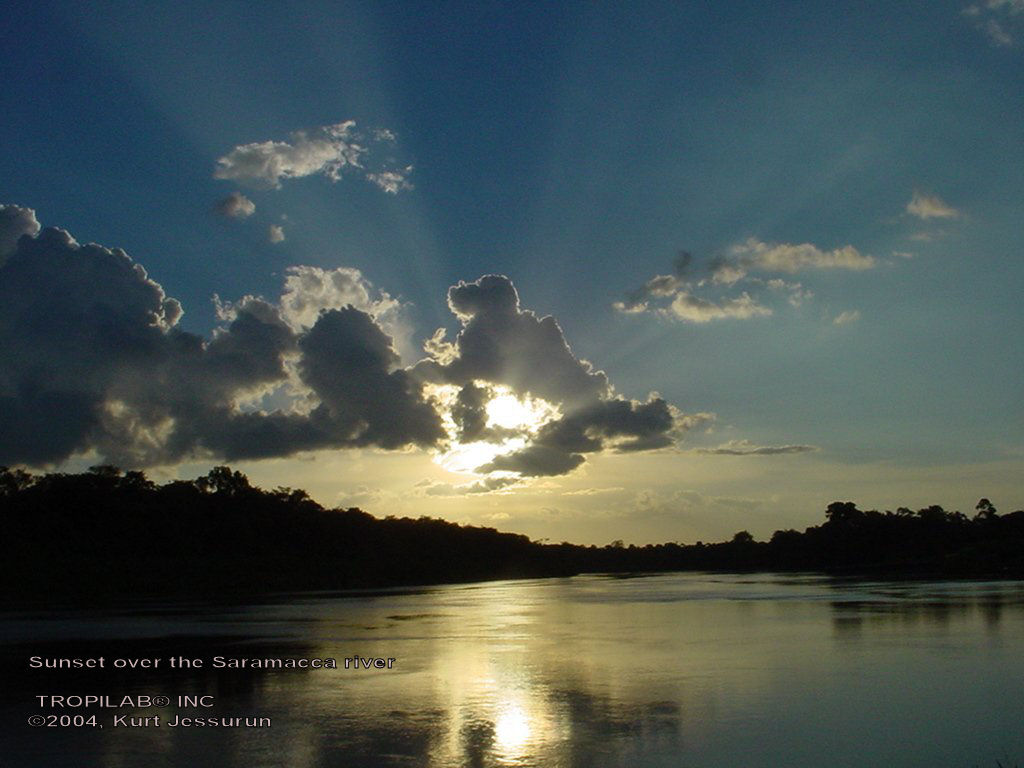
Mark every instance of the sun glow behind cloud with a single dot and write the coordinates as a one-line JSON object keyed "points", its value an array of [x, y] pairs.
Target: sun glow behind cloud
{"points": [[511, 420]]}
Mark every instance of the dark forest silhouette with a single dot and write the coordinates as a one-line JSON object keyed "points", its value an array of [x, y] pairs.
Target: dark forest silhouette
{"points": [[108, 532]]}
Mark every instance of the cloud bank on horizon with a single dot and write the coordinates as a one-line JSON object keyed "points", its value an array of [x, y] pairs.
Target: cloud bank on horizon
{"points": [[92, 362]]}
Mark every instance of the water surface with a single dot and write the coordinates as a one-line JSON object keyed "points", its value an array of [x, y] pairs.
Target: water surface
{"points": [[664, 670]]}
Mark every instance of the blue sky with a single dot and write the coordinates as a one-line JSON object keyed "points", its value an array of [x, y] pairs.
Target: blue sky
{"points": [[847, 178]]}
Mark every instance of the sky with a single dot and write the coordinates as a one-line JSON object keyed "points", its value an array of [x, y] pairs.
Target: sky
{"points": [[580, 271]]}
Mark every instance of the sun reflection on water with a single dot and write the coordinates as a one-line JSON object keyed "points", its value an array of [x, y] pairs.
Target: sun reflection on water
{"points": [[511, 730]]}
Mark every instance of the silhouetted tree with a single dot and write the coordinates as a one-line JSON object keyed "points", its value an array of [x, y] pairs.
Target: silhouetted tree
{"points": [[14, 480], [985, 509], [223, 480]]}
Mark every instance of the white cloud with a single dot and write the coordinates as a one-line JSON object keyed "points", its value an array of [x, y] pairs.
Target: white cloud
{"points": [[997, 19], [309, 291], [685, 306], [275, 234], [755, 255], [391, 182], [747, 448], [486, 485], [331, 151], [687, 292], [997, 34], [237, 206], [797, 293], [847, 317], [930, 207]]}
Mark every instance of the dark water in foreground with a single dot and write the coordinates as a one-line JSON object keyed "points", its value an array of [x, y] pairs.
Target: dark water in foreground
{"points": [[666, 670]]}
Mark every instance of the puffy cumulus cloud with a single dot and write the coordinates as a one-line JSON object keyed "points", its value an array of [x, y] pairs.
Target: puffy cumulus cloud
{"points": [[275, 233], [930, 207], [15, 221], [236, 206], [308, 291], [331, 151], [713, 291], [746, 448], [503, 348], [349, 362], [91, 359], [847, 317], [504, 344]]}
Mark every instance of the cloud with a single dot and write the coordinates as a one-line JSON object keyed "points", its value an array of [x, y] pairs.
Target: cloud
{"points": [[349, 362], [92, 361], [504, 344], [470, 412], [535, 461], [746, 448], [332, 151], [797, 293], [487, 485], [275, 234], [625, 426], [501, 344], [930, 207], [997, 33], [15, 221], [694, 309], [392, 182], [999, 20], [236, 205], [684, 294], [310, 290], [755, 255], [847, 317]]}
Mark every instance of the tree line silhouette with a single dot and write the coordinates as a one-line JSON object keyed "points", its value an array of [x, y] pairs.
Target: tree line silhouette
{"points": [[108, 532]]}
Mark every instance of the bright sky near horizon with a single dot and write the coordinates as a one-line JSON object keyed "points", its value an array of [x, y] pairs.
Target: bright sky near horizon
{"points": [[583, 271]]}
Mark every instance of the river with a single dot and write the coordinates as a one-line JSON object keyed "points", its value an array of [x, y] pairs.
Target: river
{"points": [[701, 670]]}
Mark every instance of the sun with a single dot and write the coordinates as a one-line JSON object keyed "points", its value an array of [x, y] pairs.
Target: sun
{"points": [[512, 421]]}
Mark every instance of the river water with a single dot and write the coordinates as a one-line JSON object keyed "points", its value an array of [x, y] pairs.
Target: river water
{"points": [[661, 670]]}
